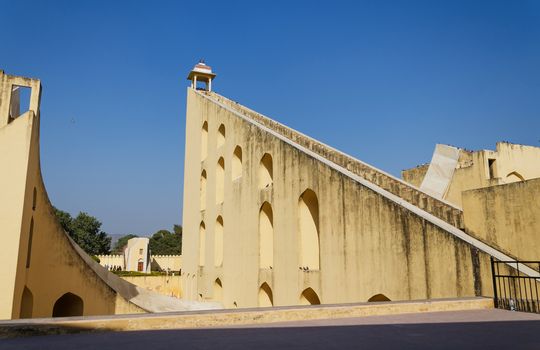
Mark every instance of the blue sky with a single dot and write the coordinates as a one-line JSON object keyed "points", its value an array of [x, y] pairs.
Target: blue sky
{"points": [[381, 80]]}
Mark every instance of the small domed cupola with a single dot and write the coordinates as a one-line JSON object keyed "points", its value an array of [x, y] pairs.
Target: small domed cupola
{"points": [[201, 72]]}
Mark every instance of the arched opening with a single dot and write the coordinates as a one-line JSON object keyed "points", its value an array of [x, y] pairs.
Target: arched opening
{"points": [[218, 290], [67, 305], [140, 265], [378, 297], [514, 176], [27, 303], [203, 190], [266, 171], [221, 136], [204, 141], [308, 215], [202, 244], [309, 297], [236, 169], [29, 246], [220, 181], [266, 237], [218, 242], [266, 297]]}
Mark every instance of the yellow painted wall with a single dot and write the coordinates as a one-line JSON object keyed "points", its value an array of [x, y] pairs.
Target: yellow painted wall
{"points": [[167, 285], [137, 251], [511, 163], [41, 264], [159, 262], [507, 216], [414, 176], [166, 262], [111, 261], [368, 244]]}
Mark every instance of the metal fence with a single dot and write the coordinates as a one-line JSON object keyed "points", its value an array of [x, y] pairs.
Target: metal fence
{"points": [[512, 289]]}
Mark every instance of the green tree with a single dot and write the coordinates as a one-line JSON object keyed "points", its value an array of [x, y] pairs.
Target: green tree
{"points": [[85, 230], [165, 242], [121, 243]]}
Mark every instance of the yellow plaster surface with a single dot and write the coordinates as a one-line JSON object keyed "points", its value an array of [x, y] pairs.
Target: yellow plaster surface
{"points": [[366, 242]]}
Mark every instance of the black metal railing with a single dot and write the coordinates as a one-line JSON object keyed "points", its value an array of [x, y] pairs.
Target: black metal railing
{"points": [[514, 290]]}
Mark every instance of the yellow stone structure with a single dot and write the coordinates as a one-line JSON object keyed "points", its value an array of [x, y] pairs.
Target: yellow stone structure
{"points": [[157, 262], [509, 163], [273, 217], [137, 255], [166, 262], [44, 273], [497, 190]]}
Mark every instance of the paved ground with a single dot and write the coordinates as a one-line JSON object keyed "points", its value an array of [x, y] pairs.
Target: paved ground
{"points": [[483, 329]]}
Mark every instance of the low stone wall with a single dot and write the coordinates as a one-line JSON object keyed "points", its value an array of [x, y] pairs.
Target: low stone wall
{"points": [[166, 262], [111, 261], [237, 318], [415, 176], [507, 217], [165, 285], [159, 262]]}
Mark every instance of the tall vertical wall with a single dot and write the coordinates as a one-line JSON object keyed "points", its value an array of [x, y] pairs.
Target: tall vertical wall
{"points": [[39, 262], [507, 216], [41, 266], [370, 241]]}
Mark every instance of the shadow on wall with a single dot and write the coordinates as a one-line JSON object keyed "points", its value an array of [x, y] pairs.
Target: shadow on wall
{"points": [[378, 297], [27, 303], [309, 297], [266, 298]]}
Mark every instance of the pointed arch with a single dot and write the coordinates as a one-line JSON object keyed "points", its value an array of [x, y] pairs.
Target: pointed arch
{"points": [[266, 297], [236, 169], [203, 190], [266, 171], [221, 136], [266, 236], [218, 290], [309, 297], [218, 242], [515, 176], [220, 180], [378, 297], [308, 225], [27, 303], [202, 244], [67, 305], [204, 140]]}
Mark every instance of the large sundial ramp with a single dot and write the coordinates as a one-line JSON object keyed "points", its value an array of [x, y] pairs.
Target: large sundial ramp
{"points": [[274, 217]]}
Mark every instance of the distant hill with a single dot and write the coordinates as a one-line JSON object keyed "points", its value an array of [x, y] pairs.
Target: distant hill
{"points": [[115, 238]]}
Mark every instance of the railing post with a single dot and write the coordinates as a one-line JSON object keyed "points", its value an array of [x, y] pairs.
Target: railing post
{"points": [[495, 297]]}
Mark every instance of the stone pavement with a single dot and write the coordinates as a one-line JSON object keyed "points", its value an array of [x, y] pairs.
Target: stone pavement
{"points": [[475, 329]]}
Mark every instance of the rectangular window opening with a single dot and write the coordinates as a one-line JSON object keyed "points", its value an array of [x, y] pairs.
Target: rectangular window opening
{"points": [[29, 248], [202, 85], [19, 102], [492, 169]]}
